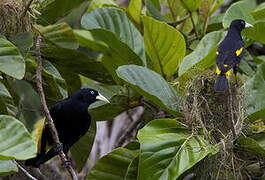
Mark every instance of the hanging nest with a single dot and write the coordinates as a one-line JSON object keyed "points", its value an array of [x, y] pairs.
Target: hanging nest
{"points": [[13, 20], [220, 115]]}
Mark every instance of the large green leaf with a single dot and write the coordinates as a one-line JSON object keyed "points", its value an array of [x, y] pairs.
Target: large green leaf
{"points": [[77, 62], [254, 144], [238, 10], [52, 10], [132, 170], [7, 167], [86, 39], [153, 7], [81, 150], [191, 5], [59, 34], [134, 9], [254, 89], [116, 21], [112, 166], [11, 61], [6, 100], [15, 140], [151, 85], [100, 3], [259, 11], [73, 19], [28, 102], [118, 53], [168, 150], [164, 44], [24, 41], [257, 32], [201, 58]]}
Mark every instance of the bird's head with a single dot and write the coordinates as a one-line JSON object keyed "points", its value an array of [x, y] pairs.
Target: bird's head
{"points": [[239, 24], [89, 96]]}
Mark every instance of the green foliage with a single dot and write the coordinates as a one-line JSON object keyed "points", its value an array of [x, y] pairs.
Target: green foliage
{"points": [[168, 149], [239, 10], [255, 90], [152, 86], [81, 150], [146, 54], [52, 10], [115, 21], [60, 35], [16, 142], [11, 61], [121, 159], [254, 145], [7, 167], [165, 46], [256, 33], [259, 11]]}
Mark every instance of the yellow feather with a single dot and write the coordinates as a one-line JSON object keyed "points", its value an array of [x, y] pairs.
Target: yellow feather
{"points": [[37, 132], [238, 52], [227, 74], [217, 71], [217, 52]]}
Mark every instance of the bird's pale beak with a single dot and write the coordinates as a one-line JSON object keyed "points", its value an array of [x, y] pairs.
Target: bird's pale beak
{"points": [[102, 98], [248, 25]]}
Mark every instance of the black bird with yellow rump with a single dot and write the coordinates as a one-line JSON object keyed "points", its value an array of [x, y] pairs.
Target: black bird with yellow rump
{"points": [[229, 54], [72, 121]]}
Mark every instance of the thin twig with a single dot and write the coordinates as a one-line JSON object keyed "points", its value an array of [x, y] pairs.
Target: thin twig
{"points": [[193, 24], [230, 101], [26, 8], [85, 170], [25, 171], [49, 120]]}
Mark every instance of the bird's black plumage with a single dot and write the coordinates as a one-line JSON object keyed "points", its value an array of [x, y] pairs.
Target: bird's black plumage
{"points": [[229, 54], [71, 119]]}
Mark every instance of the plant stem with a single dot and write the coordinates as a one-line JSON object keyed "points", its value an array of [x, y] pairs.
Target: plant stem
{"points": [[25, 171], [49, 120], [26, 8], [193, 24]]}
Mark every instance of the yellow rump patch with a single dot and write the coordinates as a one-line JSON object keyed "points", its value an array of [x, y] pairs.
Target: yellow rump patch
{"points": [[217, 71], [238, 52], [37, 132], [227, 74]]}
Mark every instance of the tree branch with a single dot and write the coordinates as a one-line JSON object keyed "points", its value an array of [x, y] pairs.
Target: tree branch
{"points": [[49, 120], [25, 171], [26, 8]]}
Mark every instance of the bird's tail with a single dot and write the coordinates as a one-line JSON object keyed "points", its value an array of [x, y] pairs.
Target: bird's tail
{"points": [[34, 162], [221, 83]]}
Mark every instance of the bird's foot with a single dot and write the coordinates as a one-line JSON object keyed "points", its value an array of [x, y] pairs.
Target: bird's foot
{"points": [[58, 148], [67, 164]]}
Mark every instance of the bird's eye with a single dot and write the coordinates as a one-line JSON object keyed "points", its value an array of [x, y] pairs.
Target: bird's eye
{"points": [[92, 92]]}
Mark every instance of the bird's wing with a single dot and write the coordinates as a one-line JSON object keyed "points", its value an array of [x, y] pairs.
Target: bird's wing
{"points": [[226, 60]]}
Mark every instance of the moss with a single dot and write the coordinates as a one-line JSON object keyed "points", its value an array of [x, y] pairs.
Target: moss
{"points": [[12, 20]]}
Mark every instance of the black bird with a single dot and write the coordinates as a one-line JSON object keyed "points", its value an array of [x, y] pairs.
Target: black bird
{"points": [[229, 54], [71, 119]]}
